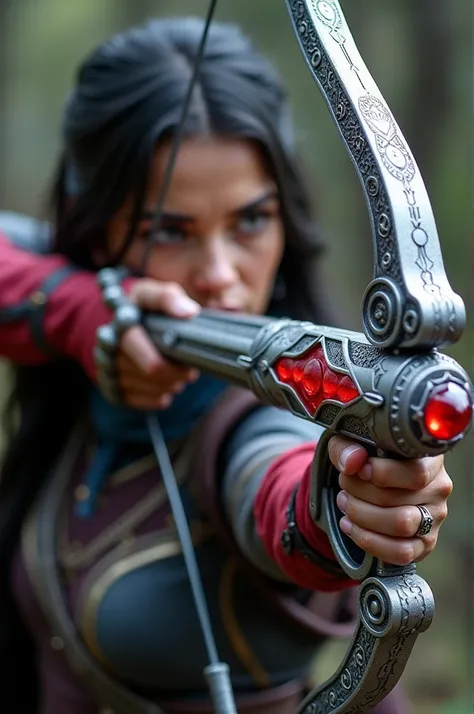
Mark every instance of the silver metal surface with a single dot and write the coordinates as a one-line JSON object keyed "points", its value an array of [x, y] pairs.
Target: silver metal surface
{"points": [[409, 302], [426, 523]]}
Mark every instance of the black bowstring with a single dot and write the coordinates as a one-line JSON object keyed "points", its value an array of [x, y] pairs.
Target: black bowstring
{"points": [[216, 672], [177, 138]]}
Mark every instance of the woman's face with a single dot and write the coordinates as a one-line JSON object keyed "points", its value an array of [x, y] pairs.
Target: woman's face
{"points": [[221, 236]]}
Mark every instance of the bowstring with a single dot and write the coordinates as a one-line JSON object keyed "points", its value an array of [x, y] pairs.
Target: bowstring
{"points": [[177, 137]]}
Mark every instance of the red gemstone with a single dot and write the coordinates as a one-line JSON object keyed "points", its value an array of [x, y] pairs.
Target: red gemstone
{"points": [[347, 390], [284, 369], [312, 377], [330, 384], [298, 370], [448, 411]]}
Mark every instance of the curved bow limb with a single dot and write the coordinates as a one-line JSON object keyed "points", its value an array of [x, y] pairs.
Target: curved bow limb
{"points": [[394, 606], [409, 302]]}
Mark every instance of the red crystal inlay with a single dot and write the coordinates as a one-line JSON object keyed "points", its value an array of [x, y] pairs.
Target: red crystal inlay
{"points": [[313, 380], [447, 411]]}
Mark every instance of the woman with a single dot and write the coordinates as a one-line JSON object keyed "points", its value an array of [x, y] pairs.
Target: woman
{"points": [[236, 234]]}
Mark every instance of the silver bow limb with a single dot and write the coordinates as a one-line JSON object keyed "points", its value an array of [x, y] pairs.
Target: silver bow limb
{"points": [[409, 303]]}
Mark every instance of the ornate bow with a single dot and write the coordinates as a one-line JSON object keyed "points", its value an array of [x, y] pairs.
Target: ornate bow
{"points": [[408, 305]]}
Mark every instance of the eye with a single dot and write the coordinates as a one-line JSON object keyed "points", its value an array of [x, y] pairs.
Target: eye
{"points": [[165, 235], [254, 221]]}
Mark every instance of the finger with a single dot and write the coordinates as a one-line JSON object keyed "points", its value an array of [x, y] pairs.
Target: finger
{"points": [[345, 455], [412, 474], [138, 355], [383, 497], [140, 350], [397, 551], [399, 522], [169, 298], [131, 385]]}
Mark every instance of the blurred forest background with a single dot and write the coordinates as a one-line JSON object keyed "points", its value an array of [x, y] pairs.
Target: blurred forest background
{"points": [[420, 54]]}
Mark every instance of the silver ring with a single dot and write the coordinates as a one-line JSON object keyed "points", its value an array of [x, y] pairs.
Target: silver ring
{"points": [[426, 522]]}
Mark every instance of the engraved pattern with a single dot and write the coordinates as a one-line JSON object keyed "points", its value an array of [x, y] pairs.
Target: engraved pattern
{"points": [[328, 413], [365, 355], [335, 353], [357, 117], [347, 120], [375, 661], [395, 415], [355, 426]]}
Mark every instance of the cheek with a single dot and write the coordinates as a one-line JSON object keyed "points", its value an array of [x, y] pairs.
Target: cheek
{"points": [[261, 265]]}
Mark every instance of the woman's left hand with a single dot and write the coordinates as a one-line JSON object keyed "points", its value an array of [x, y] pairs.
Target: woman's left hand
{"points": [[379, 498]]}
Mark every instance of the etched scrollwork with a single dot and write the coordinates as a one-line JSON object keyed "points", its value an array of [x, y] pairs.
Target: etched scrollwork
{"points": [[401, 215], [393, 611]]}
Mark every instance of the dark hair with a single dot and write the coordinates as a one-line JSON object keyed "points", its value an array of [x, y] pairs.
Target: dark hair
{"points": [[129, 94]]}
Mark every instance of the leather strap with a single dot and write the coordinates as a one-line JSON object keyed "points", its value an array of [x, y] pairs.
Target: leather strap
{"points": [[34, 308]]}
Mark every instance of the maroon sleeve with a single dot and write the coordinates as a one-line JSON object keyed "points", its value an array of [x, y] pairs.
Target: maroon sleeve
{"points": [[72, 312], [270, 507]]}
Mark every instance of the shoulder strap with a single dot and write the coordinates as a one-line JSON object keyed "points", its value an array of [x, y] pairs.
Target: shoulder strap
{"points": [[325, 614]]}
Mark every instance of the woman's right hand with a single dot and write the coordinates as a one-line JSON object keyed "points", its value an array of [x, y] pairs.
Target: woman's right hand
{"points": [[146, 379]]}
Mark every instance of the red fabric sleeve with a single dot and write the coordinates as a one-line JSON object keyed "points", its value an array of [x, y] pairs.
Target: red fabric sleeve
{"points": [[270, 507], [73, 312]]}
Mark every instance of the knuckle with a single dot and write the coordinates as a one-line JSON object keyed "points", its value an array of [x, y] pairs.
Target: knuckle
{"points": [[443, 512], [420, 473], [404, 522], [430, 543], [445, 486]]}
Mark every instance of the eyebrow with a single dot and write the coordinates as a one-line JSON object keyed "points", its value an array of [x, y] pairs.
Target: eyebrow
{"points": [[148, 215]]}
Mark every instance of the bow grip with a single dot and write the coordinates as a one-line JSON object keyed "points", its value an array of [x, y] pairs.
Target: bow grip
{"points": [[326, 515]]}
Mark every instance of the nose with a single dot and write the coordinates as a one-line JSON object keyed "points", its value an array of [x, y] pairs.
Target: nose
{"points": [[215, 268]]}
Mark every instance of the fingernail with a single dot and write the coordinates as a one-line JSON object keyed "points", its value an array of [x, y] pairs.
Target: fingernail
{"points": [[341, 501], [345, 455], [184, 306], [345, 525], [193, 375], [366, 472]]}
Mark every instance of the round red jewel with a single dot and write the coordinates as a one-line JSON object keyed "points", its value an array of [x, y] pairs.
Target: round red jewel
{"points": [[448, 411]]}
